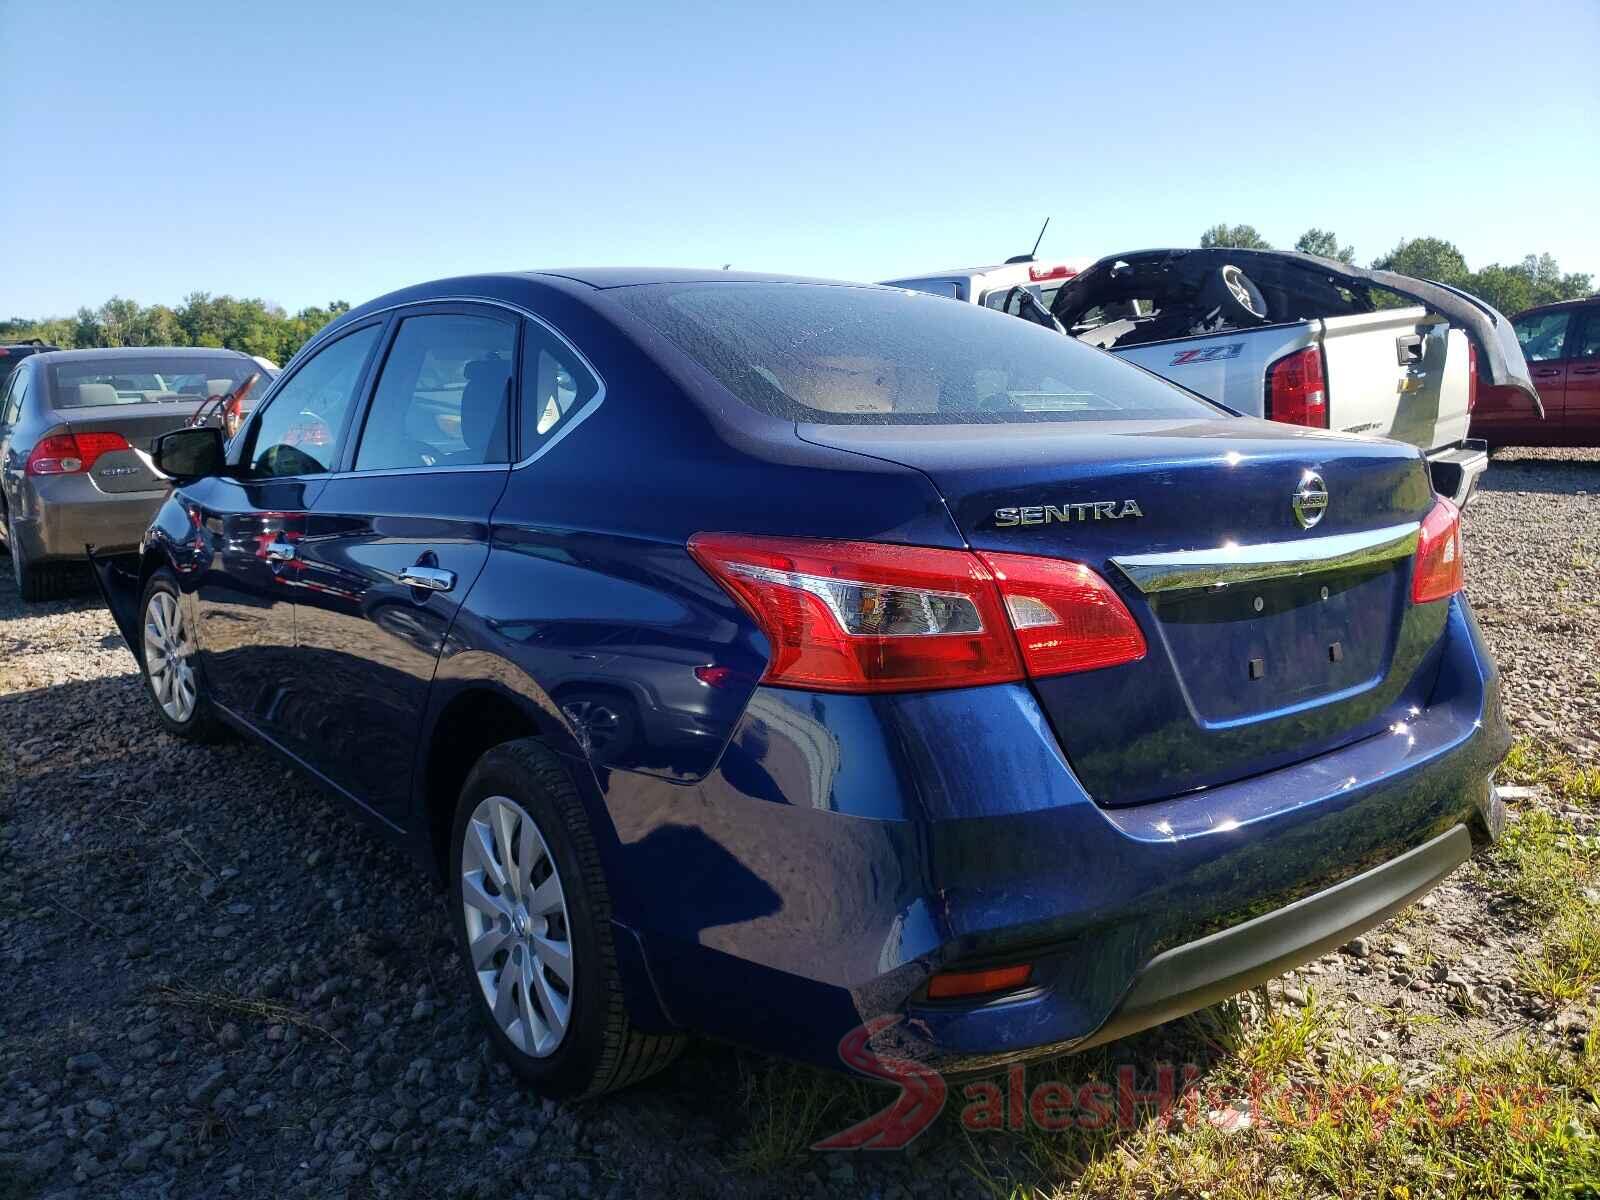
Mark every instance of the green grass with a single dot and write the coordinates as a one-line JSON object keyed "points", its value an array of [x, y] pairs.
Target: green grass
{"points": [[1549, 864], [1517, 1122], [1534, 763]]}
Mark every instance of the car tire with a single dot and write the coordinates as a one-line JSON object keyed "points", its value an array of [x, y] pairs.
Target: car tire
{"points": [[171, 671], [36, 582], [514, 930], [1237, 295]]}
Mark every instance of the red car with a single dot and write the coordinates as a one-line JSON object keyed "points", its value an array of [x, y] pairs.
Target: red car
{"points": [[1562, 345]]}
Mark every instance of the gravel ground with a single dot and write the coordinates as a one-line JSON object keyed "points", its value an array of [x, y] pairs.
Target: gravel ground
{"points": [[213, 982]]}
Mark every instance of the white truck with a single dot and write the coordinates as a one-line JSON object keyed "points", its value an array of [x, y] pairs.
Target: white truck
{"points": [[1291, 337]]}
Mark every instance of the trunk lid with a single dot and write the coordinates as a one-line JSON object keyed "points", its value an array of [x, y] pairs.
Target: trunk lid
{"points": [[129, 470], [1300, 641]]}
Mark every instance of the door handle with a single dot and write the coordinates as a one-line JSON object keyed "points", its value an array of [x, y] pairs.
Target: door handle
{"points": [[278, 552], [1408, 348], [1586, 370], [1546, 373], [429, 579]]}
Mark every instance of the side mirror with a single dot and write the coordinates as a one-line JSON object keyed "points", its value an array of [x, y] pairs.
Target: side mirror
{"points": [[188, 454]]}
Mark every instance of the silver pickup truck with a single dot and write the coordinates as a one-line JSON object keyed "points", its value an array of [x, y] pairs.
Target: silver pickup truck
{"points": [[1297, 338]]}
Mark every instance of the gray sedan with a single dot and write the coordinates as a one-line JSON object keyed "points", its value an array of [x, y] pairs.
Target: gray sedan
{"points": [[76, 427]]}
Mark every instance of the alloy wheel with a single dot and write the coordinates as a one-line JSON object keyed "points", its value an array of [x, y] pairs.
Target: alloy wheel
{"points": [[169, 656], [517, 929]]}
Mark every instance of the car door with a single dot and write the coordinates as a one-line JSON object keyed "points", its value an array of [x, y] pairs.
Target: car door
{"points": [[250, 523], [1581, 405], [397, 539]]}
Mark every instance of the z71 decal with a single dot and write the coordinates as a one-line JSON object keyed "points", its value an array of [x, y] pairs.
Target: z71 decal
{"points": [[1207, 354]]}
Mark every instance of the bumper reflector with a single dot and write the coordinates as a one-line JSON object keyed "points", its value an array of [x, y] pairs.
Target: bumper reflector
{"points": [[952, 985]]}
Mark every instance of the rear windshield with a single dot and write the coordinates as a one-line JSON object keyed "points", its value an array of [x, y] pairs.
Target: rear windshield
{"points": [[839, 355], [146, 380]]}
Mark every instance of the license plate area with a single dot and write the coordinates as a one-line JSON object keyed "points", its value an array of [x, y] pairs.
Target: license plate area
{"points": [[1251, 650]]}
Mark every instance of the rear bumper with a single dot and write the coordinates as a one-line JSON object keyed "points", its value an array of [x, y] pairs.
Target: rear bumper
{"points": [[1457, 469], [847, 848], [67, 513], [1211, 969]]}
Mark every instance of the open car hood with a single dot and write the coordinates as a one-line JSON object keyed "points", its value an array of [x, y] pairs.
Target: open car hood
{"points": [[1500, 361]]}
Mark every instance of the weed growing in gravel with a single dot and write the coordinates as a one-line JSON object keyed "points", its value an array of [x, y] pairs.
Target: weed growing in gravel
{"points": [[1263, 1037], [1554, 872], [793, 1106], [1549, 864], [1534, 763], [243, 1006]]}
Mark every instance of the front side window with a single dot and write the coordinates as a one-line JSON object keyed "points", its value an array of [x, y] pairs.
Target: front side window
{"points": [[555, 384], [841, 355], [299, 432], [1543, 336], [441, 399]]}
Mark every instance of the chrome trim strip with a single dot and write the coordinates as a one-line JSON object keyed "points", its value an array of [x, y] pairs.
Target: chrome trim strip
{"points": [[1230, 564]]}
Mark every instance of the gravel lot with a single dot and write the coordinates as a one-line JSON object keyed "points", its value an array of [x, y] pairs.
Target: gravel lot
{"points": [[214, 983]]}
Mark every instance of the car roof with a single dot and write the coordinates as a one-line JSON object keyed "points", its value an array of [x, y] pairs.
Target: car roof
{"points": [[125, 352], [1554, 304], [610, 277]]}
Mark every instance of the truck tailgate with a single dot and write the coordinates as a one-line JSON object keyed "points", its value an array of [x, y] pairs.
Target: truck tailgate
{"points": [[1399, 373]]}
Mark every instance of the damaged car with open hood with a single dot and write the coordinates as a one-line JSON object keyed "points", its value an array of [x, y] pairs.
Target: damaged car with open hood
{"points": [[1307, 341]]}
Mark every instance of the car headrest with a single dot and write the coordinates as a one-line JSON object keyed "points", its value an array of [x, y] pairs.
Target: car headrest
{"points": [[96, 393], [483, 405]]}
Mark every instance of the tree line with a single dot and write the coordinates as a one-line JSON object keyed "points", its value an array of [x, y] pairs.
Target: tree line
{"points": [[254, 326], [258, 327], [1537, 279]]}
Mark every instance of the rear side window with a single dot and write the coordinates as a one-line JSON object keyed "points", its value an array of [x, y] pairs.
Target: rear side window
{"points": [[441, 400], [1587, 342], [11, 408], [1543, 335], [555, 386], [840, 355], [299, 432]]}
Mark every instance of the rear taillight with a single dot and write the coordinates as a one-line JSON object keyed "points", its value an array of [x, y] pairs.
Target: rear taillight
{"points": [[71, 453], [1297, 393], [1437, 571], [1066, 617], [1472, 376], [869, 617]]}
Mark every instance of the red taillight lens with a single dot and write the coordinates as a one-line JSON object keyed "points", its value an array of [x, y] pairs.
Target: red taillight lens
{"points": [[860, 616], [1065, 616], [868, 617], [1437, 571], [1297, 393], [952, 985], [1472, 376], [71, 454]]}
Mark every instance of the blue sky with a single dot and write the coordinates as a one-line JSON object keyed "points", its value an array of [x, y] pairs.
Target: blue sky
{"points": [[303, 152]]}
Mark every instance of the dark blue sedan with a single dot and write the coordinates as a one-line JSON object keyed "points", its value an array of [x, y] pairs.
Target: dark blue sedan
{"points": [[763, 657]]}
